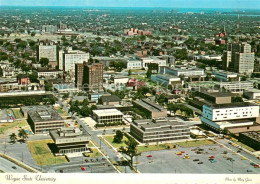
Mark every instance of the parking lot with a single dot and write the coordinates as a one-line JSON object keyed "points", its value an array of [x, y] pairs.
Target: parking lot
{"points": [[167, 161], [88, 165]]}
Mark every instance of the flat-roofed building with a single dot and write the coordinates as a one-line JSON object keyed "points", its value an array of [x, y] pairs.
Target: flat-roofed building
{"points": [[42, 119], [47, 50], [236, 87], [165, 80], [225, 76], [252, 94], [159, 130], [93, 77], [49, 73], [70, 140], [134, 64], [221, 116], [251, 139], [154, 110], [108, 116]]}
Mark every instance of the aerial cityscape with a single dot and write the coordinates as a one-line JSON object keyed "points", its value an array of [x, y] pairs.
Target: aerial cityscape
{"points": [[93, 88]]}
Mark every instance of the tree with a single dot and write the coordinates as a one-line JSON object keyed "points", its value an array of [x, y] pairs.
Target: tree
{"points": [[44, 62], [13, 138], [118, 137], [48, 86], [33, 77], [130, 150], [129, 72], [23, 135]]}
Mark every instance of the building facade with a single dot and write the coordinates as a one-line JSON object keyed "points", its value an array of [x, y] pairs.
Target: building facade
{"points": [[79, 68], [108, 116], [47, 50], [159, 130], [93, 77]]}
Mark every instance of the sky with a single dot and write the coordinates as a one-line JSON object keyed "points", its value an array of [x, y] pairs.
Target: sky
{"points": [[241, 4]]}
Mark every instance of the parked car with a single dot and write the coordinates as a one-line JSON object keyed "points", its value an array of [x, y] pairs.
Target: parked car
{"points": [[86, 160], [195, 160], [256, 166], [243, 158], [252, 163], [200, 162], [249, 170], [213, 161], [14, 167], [83, 169], [211, 157], [92, 160]]}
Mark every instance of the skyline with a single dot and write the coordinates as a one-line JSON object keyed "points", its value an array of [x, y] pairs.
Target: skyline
{"points": [[204, 4]]}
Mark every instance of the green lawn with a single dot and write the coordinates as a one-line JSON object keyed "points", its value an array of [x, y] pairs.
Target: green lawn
{"points": [[17, 113], [195, 143], [41, 153], [110, 139], [155, 147], [94, 153], [4, 127], [61, 111]]}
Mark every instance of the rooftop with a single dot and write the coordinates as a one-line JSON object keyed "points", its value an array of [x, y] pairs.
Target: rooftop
{"points": [[42, 113], [149, 105], [231, 105], [107, 112], [253, 135], [112, 98], [70, 132]]}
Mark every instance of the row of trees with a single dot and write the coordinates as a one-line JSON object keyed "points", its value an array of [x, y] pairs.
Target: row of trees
{"points": [[175, 107]]}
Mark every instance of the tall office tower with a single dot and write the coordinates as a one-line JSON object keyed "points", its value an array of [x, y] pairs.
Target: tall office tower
{"points": [[79, 75], [47, 50], [68, 59], [93, 77], [239, 58]]}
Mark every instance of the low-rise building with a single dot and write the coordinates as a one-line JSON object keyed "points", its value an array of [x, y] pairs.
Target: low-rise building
{"points": [[225, 76], [120, 80], [251, 139], [49, 73], [165, 80], [42, 119], [252, 94], [108, 116], [155, 60], [236, 87], [110, 100], [70, 140], [159, 130], [221, 116], [152, 109], [134, 64]]}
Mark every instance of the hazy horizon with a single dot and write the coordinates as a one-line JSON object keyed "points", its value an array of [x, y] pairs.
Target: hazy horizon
{"points": [[192, 4]]}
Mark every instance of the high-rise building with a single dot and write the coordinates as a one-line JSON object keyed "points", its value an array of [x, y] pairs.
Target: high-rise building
{"points": [[47, 50], [68, 59], [239, 58], [93, 77], [79, 75]]}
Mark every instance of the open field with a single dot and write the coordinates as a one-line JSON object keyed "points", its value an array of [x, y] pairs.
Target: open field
{"points": [[41, 153], [195, 143], [110, 139], [155, 147], [17, 113], [5, 127]]}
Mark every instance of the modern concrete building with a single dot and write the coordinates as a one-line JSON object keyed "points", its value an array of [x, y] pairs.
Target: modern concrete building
{"points": [[134, 64], [110, 100], [49, 73], [108, 116], [251, 139], [93, 77], [239, 58], [236, 86], [222, 116], [68, 59], [225, 76], [120, 80], [70, 140], [154, 110], [252, 94], [159, 130], [165, 80], [42, 119], [47, 50], [191, 73], [156, 60]]}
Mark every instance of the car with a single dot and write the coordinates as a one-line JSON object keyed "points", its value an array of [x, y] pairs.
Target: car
{"points": [[256, 166], [103, 159], [211, 157], [200, 162], [86, 160], [83, 169], [14, 167], [252, 163], [249, 170], [243, 158], [195, 160], [97, 159], [186, 157], [92, 160], [238, 151], [234, 153], [179, 153], [213, 161], [182, 151]]}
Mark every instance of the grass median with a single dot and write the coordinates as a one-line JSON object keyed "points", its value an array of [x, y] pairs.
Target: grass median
{"points": [[42, 154], [195, 143]]}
